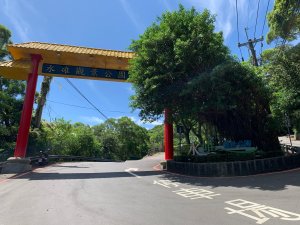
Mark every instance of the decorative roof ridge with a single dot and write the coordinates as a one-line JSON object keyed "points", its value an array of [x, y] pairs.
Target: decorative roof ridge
{"points": [[65, 45]]}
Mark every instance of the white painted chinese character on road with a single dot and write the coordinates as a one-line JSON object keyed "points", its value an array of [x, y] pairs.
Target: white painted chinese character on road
{"points": [[260, 213], [166, 183], [195, 193]]}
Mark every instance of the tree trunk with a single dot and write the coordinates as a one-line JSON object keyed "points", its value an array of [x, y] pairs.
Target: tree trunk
{"points": [[45, 88]]}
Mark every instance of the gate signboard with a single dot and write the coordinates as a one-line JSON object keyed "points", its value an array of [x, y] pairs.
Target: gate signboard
{"points": [[83, 72]]}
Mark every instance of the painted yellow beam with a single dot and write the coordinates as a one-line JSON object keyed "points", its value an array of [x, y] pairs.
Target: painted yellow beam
{"points": [[62, 55], [17, 70]]}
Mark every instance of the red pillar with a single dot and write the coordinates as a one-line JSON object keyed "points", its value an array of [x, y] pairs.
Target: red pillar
{"points": [[168, 136], [25, 121]]}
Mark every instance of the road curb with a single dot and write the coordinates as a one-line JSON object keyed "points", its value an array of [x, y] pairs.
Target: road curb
{"points": [[238, 168]]}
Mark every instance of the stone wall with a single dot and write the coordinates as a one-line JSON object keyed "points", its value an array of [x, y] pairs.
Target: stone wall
{"points": [[238, 168]]}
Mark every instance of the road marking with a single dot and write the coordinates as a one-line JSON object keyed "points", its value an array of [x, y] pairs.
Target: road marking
{"points": [[133, 174], [195, 193], [258, 212], [157, 167], [191, 193], [166, 183]]}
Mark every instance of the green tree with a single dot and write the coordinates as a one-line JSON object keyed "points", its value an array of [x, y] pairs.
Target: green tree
{"points": [[11, 99], [62, 137], [156, 138], [282, 65], [122, 139], [82, 141], [5, 36], [11, 103], [58, 135], [41, 100], [106, 135], [234, 100], [171, 52], [134, 139], [284, 20]]}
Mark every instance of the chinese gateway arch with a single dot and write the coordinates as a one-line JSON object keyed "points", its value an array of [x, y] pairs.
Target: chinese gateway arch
{"points": [[34, 58]]}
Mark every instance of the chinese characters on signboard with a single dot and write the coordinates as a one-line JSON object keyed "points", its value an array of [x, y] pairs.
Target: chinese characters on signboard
{"points": [[84, 71]]}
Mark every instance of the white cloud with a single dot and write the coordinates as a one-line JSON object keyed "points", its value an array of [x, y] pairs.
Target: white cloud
{"points": [[225, 11], [167, 5], [14, 10], [145, 123], [91, 120], [131, 14], [130, 90]]}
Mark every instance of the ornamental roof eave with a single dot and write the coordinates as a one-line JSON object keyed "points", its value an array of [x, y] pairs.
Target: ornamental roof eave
{"points": [[72, 55], [61, 55], [41, 46], [15, 69]]}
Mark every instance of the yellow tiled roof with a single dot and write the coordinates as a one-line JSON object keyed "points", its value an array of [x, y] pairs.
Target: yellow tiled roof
{"points": [[73, 49], [18, 63], [18, 69]]}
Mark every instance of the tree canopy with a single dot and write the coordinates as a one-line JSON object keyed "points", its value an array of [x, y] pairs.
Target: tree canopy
{"points": [[282, 65], [284, 20], [182, 64], [11, 99], [5, 36], [171, 52]]}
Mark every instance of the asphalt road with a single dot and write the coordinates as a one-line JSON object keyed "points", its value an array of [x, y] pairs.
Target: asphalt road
{"points": [[133, 193]]}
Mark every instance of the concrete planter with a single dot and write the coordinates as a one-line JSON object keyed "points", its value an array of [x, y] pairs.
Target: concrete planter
{"points": [[238, 168]]}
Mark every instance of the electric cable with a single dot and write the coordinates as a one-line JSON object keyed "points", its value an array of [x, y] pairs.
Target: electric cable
{"points": [[84, 107], [237, 28], [248, 13], [262, 31], [82, 95], [263, 28], [256, 18]]}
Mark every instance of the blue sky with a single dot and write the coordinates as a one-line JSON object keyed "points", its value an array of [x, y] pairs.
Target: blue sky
{"points": [[112, 24]]}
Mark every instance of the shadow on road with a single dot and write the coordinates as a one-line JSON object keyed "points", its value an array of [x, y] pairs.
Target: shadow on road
{"points": [[64, 166], [66, 176], [270, 182]]}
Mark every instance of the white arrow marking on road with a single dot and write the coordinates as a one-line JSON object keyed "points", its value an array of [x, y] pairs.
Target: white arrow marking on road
{"points": [[133, 174]]}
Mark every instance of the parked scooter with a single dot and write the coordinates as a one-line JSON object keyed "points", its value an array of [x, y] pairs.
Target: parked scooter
{"points": [[43, 159]]}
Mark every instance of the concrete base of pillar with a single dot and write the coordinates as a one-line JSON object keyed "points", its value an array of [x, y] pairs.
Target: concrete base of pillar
{"points": [[16, 165], [163, 164]]}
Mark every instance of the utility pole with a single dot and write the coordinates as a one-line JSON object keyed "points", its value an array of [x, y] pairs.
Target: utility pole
{"points": [[250, 44]]}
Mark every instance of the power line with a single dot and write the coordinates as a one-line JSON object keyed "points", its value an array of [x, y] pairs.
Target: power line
{"points": [[237, 28], [248, 13], [79, 92], [256, 17], [76, 106], [262, 31], [84, 107]]}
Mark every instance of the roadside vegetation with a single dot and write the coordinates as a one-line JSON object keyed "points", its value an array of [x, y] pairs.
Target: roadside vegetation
{"points": [[181, 64]]}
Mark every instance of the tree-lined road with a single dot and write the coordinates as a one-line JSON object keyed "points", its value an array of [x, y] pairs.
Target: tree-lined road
{"points": [[132, 192]]}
